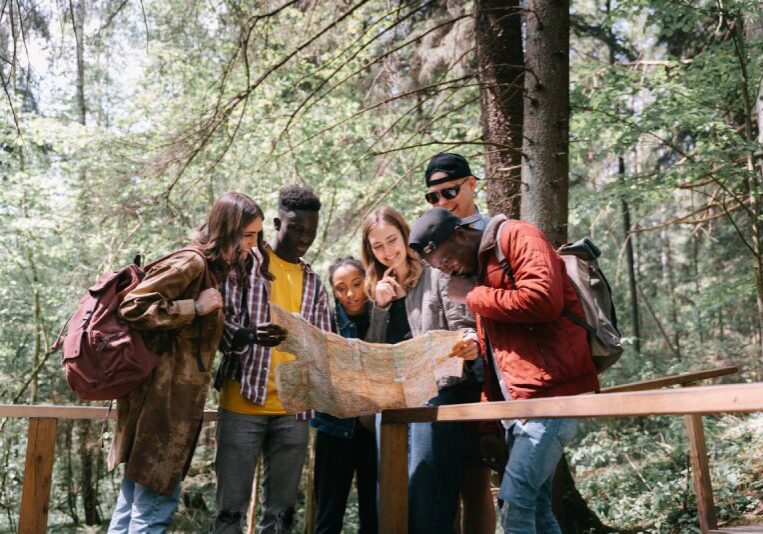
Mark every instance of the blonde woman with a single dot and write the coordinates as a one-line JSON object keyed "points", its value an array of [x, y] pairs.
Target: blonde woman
{"points": [[408, 299]]}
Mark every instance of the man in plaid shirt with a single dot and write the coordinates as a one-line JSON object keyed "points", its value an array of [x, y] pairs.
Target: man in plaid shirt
{"points": [[251, 417]]}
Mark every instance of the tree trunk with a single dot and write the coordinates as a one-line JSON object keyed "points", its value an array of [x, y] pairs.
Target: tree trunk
{"points": [[668, 281], [15, 31], [697, 288], [500, 59], [66, 429], [545, 163], [87, 484], [753, 27], [570, 509], [545, 182], [625, 212], [754, 160], [84, 427], [308, 479], [6, 495], [38, 326], [78, 23], [630, 261]]}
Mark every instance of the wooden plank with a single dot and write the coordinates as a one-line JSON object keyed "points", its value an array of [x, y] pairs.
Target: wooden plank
{"points": [[701, 472], [748, 529], [393, 479], [38, 475], [699, 400], [99, 412], [673, 380], [69, 412]]}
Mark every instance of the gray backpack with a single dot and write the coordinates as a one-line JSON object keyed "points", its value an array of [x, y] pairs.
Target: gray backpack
{"points": [[595, 297]]}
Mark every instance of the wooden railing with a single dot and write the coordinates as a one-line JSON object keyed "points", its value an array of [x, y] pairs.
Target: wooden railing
{"points": [[40, 454], [631, 400], [619, 401]]}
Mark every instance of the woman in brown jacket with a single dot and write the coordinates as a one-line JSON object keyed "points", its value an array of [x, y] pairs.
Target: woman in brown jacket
{"points": [[179, 310]]}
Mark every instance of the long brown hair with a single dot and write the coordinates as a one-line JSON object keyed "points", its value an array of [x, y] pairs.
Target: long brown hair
{"points": [[220, 236], [374, 268]]}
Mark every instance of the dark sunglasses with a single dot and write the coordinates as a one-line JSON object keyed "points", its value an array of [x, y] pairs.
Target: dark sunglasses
{"points": [[448, 193]]}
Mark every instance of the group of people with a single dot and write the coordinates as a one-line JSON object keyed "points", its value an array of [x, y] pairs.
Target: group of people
{"points": [[443, 273]]}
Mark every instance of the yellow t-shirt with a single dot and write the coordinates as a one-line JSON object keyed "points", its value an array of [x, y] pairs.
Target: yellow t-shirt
{"points": [[285, 291]]}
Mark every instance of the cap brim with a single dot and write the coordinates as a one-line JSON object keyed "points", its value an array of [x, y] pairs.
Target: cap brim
{"points": [[444, 179]]}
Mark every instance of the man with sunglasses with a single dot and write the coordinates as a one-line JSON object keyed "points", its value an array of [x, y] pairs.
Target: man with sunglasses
{"points": [[451, 185]]}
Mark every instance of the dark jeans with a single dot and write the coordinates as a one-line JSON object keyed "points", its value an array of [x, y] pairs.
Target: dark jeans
{"points": [[282, 441], [336, 461], [434, 465]]}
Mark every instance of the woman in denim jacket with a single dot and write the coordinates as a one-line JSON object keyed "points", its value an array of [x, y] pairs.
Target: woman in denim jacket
{"points": [[344, 447]]}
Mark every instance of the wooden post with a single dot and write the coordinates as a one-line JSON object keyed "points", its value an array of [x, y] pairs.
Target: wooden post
{"points": [[701, 472], [38, 474], [393, 479]]}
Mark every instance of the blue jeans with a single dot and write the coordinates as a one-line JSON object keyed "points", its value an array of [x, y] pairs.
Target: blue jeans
{"points": [[142, 510], [536, 448], [241, 439], [434, 465]]}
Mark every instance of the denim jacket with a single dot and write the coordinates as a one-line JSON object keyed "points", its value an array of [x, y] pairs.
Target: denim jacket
{"points": [[339, 428]]}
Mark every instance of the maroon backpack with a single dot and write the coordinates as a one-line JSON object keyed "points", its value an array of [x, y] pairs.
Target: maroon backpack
{"points": [[103, 358]]}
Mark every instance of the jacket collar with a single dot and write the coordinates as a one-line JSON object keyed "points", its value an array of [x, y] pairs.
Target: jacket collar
{"points": [[490, 235], [258, 256], [342, 319], [471, 219], [488, 242], [476, 220]]}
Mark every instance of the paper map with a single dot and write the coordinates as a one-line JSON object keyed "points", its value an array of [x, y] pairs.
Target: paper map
{"points": [[349, 377]]}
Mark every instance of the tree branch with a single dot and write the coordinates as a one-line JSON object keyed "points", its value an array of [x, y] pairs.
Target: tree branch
{"points": [[381, 57], [110, 19], [581, 27], [210, 126]]}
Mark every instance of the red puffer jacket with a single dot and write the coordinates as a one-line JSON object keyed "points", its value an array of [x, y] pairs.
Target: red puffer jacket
{"points": [[538, 352]]}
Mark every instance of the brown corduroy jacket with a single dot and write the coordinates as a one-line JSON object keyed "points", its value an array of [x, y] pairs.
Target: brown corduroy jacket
{"points": [[158, 423]]}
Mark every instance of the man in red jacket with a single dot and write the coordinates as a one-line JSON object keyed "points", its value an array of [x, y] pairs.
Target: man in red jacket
{"points": [[531, 347]]}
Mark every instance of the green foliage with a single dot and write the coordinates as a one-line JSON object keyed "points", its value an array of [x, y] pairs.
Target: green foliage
{"points": [[647, 462], [188, 103]]}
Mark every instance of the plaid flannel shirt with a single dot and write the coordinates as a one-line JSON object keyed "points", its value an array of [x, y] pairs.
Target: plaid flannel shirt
{"points": [[250, 365]]}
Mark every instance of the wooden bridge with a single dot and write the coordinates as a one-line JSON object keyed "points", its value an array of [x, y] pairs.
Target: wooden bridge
{"points": [[630, 400]]}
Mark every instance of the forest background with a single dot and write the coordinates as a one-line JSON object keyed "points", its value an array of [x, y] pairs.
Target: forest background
{"points": [[124, 119]]}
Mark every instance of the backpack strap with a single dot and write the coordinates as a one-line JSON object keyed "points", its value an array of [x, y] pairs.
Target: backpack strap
{"points": [[509, 272], [208, 281], [572, 316], [501, 257]]}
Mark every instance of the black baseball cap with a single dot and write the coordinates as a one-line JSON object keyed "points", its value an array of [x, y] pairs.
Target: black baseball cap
{"points": [[454, 165], [432, 229]]}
